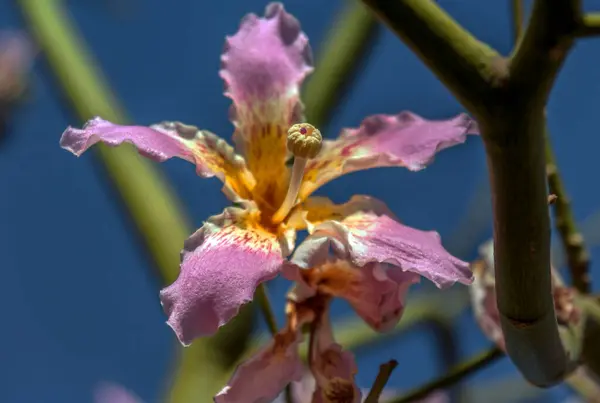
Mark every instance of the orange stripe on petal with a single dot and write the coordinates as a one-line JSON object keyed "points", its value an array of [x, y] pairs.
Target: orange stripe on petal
{"points": [[406, 140], [221, 266], [211, 155], [263, 66]]}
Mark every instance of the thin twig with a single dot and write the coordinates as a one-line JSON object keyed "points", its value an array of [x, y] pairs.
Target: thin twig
{"points": [[590, 25], [340, 55], [578, 258], [518, 14], [385, 371], [455, 375]]}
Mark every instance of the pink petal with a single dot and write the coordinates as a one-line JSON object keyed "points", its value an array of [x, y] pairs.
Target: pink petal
{"points": [[406, 140], [375, 291], [366, 237], [16, 55], [265, 375], [263, 66], [379, 297], [333, 369], [221, 266], [211, 155], [113, 393]]}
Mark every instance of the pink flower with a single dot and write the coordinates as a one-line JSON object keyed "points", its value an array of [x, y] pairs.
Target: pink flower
{"points": [[263, 66]]}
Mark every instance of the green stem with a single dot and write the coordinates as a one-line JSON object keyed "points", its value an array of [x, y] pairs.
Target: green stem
{"points": [[347, 45], [468, 67], [455, 375], [590, 25], [578, 258], [161, 222], [497, 93], [546, 42], [267, 309], [518, 14], [385, 371]]}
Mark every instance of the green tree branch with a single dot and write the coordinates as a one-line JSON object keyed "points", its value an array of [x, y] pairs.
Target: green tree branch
{"points": [[508, 99]]}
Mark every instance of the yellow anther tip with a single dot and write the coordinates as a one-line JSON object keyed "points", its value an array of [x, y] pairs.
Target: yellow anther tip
{"points": [[304, 140]]}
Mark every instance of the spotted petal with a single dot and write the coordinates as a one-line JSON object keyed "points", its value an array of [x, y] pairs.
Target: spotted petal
{"points": [[406, 140], [366, 237], [221, 266], [265, 375], [263, 66], [211, 155]]}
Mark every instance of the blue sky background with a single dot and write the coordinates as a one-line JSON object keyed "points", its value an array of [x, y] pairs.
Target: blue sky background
{"points": [[79, 300]]}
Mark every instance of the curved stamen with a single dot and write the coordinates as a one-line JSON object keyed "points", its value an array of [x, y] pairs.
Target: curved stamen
{"points": [[304, 141]]}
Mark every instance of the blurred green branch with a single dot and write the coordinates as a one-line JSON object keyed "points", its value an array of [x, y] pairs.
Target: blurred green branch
{"points": [[341, 53], [154, 209], [578, 258]]}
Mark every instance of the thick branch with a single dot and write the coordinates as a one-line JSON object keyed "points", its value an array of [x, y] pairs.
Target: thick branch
{"points": [[543, 49], [590, 26], [468, 67], [578, 258]]}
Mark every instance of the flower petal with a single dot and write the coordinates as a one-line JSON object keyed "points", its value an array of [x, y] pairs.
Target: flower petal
{"points": [[333, 368], [366, 237], [112, 393], [376, 291], [16, 54], [265, 375], [221, 266], [406, 140], [263, 66], [211, 155], [317, 209]]}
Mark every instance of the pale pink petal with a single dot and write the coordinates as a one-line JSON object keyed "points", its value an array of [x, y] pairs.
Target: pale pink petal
{"points": [[211, 155], [406, 140], [379, 296], [265, 375], [376, 291], [16, 55], [113, 393], [333, 369], [366, 237], [221, 266], [263, 66]]}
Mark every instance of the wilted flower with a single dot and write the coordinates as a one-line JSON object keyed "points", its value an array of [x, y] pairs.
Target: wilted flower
{"points": [[265, 375], [263, 66]]}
